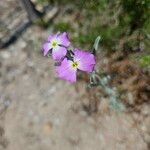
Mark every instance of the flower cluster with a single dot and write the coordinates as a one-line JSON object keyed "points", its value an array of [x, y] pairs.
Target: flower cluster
{"points": [[70, 61]]}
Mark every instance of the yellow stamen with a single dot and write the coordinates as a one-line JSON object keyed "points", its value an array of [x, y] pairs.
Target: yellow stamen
{"points": [[54, 44], [75, 65]]}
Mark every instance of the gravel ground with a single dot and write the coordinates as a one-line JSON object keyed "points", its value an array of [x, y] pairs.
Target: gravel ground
{"points": [[40, 112]]}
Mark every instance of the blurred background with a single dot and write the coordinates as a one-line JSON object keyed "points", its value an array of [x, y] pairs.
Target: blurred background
{"points": [[38, 111]]}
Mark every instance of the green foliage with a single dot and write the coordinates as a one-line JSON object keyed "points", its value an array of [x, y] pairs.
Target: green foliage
{"points": [[62, 26], [41, 22], [96, 43], [135, 13], [114, 20], [145, 61]]}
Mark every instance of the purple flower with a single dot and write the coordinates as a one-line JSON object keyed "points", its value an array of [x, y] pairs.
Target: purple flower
{"points": [[82, 60], [57, 43]]}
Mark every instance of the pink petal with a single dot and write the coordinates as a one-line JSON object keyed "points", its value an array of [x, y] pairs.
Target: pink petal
{"points": [[53, 36], [58, 53], [50, 37], [46, 48], [63, 39], [65, 72], [86, 60]]}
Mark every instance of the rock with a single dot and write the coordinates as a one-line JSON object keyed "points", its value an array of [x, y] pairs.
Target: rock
{"points": [[5, 54]]}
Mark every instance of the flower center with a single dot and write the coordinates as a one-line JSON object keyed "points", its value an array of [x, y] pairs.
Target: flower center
{"points": [[75, 65], [54, 44]]}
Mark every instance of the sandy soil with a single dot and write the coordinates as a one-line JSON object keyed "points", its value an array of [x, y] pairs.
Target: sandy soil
{"points": [[40, 112]]}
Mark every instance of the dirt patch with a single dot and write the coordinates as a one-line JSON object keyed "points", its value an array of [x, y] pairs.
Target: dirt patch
{"points": [[132, 81]]}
